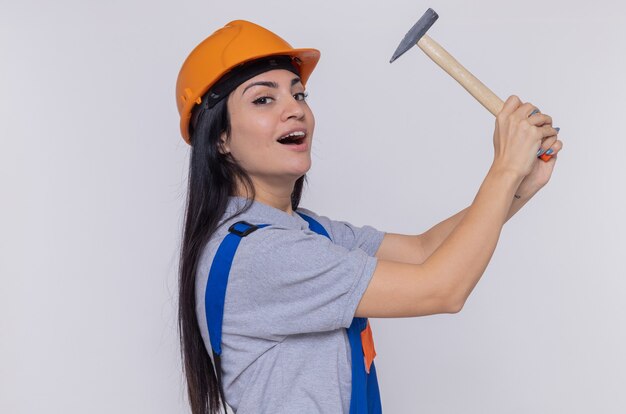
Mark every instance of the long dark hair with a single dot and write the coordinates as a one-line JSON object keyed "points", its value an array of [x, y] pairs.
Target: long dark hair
{"points": [[213, 177]]}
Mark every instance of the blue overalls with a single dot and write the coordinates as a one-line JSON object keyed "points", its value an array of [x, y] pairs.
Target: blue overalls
{"points": [[365, 397]]}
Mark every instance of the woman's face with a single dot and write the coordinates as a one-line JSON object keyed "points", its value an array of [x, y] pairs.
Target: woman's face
{"points": [[263, 110]]}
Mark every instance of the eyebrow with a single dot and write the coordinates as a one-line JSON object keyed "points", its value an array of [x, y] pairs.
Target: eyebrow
{"points": [[269, 84]]}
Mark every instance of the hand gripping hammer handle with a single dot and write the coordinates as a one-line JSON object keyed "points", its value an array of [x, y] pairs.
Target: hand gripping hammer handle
{"points": [[448, 63]]}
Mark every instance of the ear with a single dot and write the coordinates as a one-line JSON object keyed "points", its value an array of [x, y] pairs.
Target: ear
{"points": [[223, 146]]}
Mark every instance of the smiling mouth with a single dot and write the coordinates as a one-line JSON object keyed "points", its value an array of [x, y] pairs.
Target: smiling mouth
{"points": [[292, 139]]}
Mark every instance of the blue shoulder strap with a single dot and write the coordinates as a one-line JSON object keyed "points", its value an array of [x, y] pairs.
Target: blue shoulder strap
{"points": [[314, 225], [215, 292], [365, 396]]}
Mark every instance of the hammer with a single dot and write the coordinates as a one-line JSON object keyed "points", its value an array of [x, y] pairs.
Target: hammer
{"points": [[441, 57]]}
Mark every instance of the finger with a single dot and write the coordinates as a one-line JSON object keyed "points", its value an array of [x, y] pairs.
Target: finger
{"points": [[540, 119], [550, 146], [510, 105], [547, 131], [546, 144], [556, 147], [524, 110]]}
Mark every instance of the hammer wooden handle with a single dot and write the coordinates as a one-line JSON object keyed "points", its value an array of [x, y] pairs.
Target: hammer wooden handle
{"points": [[475, 87]]}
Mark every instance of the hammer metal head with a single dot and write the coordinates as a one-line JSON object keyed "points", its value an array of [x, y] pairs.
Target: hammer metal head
{"points": [[415, 34]]}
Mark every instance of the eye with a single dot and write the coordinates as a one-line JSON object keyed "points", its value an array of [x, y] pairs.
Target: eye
{"points": [[263, 100], [301, 96]]}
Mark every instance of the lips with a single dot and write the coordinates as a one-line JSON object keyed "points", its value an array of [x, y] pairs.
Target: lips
{"points": [[293, 137]]}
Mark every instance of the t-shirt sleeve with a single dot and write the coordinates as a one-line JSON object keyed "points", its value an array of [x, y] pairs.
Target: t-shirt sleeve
{"points": [[288, 281], [366, 238]]}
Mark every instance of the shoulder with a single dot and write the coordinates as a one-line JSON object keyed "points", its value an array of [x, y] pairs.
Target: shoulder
{"points": [[347, 234]]}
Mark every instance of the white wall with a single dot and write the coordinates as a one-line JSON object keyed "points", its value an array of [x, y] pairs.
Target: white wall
{"points": [[93, 170]]}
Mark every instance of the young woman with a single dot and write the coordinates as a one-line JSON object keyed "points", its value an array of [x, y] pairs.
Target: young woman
{"points": [[274, 298]]}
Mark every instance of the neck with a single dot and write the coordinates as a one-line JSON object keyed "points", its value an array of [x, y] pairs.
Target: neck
{"points": [[277, 195]]}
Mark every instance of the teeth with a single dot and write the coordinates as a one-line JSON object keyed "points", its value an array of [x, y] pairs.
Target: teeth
{"points": [[294, 134]]}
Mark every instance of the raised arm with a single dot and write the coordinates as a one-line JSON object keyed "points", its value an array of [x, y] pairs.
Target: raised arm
{"points": [[442, 283], [417, 248], [407, 248]]}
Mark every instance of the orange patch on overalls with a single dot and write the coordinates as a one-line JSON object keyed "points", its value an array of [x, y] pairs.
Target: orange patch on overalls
{"points": [[368, 347]]}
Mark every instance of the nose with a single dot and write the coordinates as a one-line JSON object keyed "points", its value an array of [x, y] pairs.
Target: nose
{"points": [[293, 109]]}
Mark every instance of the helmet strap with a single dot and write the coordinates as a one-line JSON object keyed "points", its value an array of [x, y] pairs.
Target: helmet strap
{"points": [[239, 74]]}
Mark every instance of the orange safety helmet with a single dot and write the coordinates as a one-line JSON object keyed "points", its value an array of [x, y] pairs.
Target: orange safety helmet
{"points": [[238, 42]]}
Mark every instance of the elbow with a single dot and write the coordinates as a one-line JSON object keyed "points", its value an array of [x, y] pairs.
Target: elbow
{"points": [[445, 304], [453, 297], [454, 302], [455, 306]]}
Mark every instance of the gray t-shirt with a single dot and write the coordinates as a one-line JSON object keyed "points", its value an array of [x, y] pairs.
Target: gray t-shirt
{"points": [[290, 294]]}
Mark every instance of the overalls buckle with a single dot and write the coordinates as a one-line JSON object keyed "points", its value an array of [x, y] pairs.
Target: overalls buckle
{"points": [[247, 228]]}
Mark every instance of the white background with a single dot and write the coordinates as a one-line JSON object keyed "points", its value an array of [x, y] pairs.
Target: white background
{"points": [[93, 180]]}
